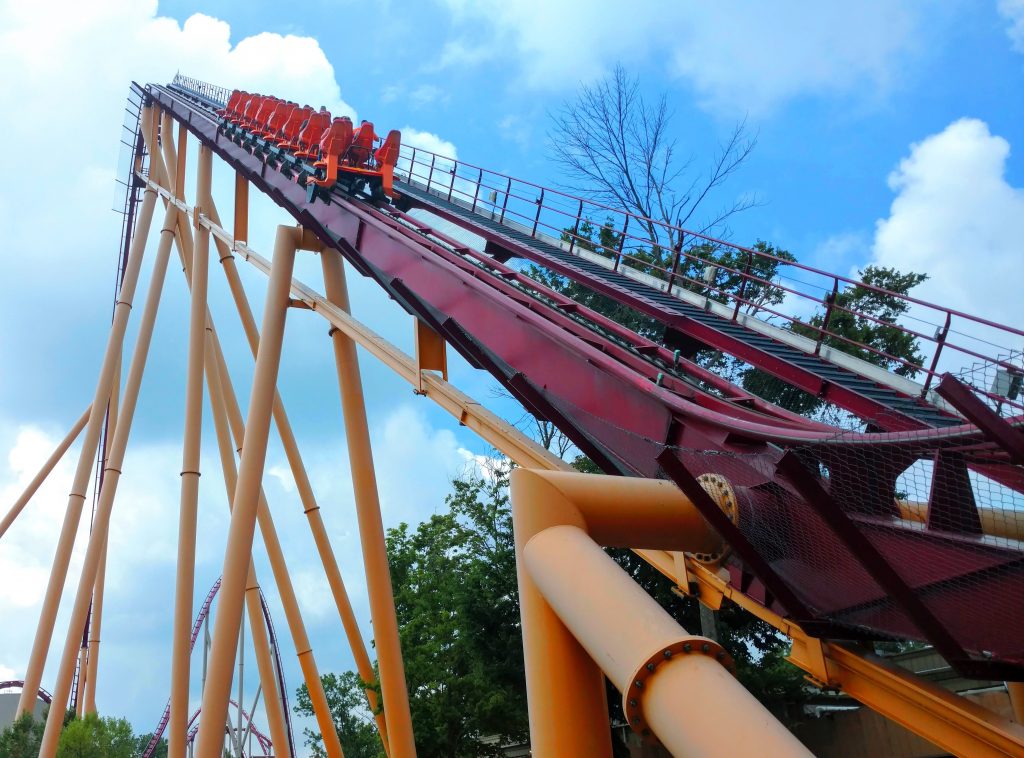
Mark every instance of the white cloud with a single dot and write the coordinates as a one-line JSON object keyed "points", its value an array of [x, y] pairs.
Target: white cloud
{"points": [[956, 218], [425, 94], [745, 60], [70, 71], [1013, 11], [428, 141], [461, 53]]}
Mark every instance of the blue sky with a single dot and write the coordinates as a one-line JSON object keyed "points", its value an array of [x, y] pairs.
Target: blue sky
{"points": [[888, 132]]}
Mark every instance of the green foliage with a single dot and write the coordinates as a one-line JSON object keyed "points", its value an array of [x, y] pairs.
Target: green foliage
{"points": [[160, 751], [846, 321], [347, 700], [89, 737], [21, 739], [454, 581], [95, 737], [855, 316]]}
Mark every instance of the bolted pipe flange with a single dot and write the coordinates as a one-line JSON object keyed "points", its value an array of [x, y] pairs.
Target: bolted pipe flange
{"points": [[633, 696], [724, 495]]}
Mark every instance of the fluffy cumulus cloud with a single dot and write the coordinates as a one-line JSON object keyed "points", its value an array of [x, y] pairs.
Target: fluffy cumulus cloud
{"points": [[428, 141], [1013, 12], [67, 74], [957, 218], [66, 79], [747, 59]]}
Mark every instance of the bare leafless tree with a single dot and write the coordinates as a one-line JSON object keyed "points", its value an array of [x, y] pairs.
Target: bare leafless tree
{"points": [[545, 432], [618, 149]]}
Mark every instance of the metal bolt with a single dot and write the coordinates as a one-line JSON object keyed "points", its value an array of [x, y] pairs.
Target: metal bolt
{"points": [[705, 647], [667, 653], [650, 667], [639, 685], [720, 657], [632, 702], [687, 647]]}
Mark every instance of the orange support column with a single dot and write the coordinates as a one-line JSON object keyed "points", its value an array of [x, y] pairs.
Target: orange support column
{"points": [[371, 527], [76, 499], [39, 478], [675, 685], [582, 615], [246, 500], [184, 587], [1016, 692], [241, 208]]}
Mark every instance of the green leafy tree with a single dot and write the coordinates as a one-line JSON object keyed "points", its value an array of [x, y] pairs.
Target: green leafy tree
{"points": [[89, 737], [856, 314], [96, 737], [160, 751], [859, 314], [21, 739], [454, 583], [347, 700]]}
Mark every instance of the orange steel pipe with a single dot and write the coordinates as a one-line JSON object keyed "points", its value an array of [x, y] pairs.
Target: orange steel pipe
{"points": [[1008, 524], [183, 238], [289, 600], [305, 490], [111, 478], [246, 498], [1016, 692], [80, 482], [620, 511], [184, 587], [44, 471], [673, 682], [565, 687], [241, 208], [261, 643], [371, 528], [95, 617]]}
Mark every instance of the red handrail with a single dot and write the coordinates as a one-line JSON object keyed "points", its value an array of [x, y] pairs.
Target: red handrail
{"points": [[534, 222]]}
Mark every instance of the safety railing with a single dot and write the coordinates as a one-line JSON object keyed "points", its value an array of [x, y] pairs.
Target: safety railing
{"points": [[750, 281], [209, 91]]}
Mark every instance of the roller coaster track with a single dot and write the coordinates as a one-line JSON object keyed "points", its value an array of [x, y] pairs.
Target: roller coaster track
{"points": [[893, 510], [204, 612], [820, 534]]}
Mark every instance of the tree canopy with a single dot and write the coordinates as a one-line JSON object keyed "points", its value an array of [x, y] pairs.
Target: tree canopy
{"points": [[456, 595], [89, 737], [454, 581]]}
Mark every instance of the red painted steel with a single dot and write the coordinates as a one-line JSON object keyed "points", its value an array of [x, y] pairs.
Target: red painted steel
{"points": [[612, 403]]}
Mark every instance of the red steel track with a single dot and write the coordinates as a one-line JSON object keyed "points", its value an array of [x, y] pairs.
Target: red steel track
{"points": [[204, 612], [819, 533]]}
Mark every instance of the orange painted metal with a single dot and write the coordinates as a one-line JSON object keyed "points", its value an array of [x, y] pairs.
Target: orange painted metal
{"points": [[246, 501], [334, 143], [583, 615], [44, 471], [90, 442], [184, 587], [87, 701], [261, 643], [386, 157], [675, 685], [371, 527], [305, 491]]}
